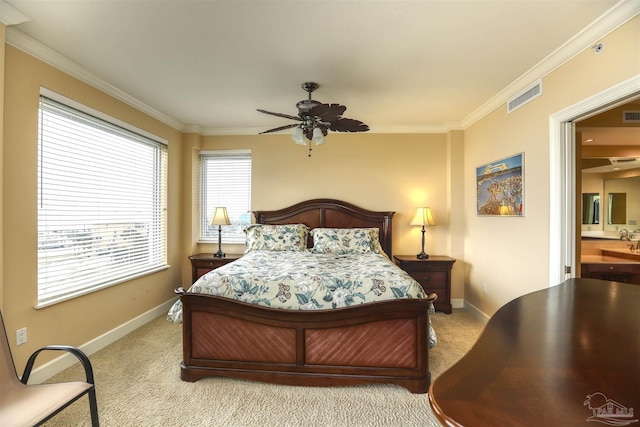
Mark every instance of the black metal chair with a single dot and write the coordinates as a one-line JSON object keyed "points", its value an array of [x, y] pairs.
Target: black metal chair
{"points": [[22, 404]]}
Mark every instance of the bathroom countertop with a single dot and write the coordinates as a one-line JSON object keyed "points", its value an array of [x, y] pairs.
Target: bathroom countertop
{"points": [[606, 258]]}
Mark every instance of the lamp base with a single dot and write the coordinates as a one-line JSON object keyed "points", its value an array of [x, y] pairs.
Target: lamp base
{"points": [[219, 254], [422, 254]]}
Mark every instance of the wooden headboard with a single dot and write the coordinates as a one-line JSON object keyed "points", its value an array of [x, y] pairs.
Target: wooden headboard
{"points": [[330, 213]]}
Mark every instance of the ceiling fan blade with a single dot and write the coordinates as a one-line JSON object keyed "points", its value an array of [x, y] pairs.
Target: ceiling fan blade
{"points": [[348, 125], [280, 128], [328, 112], [286, 116]]}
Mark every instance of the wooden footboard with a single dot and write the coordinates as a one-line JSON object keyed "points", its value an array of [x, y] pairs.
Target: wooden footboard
{"points": [[383, 342]]}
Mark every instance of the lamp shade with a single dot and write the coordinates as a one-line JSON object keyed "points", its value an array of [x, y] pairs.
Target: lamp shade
{"points": [[423, 217], [220, 217], [318, 137], [298, 136]]}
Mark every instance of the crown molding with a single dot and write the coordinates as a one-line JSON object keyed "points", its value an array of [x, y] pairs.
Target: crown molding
{"points": [[193, 129], [372, 129], [9, 15], [444, 128], [44, 53], [615, 17]]}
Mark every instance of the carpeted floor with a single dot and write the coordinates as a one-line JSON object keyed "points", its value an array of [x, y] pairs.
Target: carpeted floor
{"points": [[138, 384]]}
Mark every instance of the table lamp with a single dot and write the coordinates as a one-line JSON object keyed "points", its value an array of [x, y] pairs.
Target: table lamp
{"points": [[220, 218], [423, 217]]}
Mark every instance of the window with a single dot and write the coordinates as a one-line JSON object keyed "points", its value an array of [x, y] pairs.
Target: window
{"points": [[101, 201], [225, 181]]}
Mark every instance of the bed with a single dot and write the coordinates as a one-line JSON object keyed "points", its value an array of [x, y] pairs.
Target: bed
{"points": [[378, 342]]}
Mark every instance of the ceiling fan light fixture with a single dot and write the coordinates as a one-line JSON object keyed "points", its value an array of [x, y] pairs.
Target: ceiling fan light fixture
{"points": [[318, 137], [298, 136], [315, 119]]}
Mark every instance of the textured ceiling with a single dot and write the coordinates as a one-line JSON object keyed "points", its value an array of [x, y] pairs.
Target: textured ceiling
{"points": [[397, 65]]}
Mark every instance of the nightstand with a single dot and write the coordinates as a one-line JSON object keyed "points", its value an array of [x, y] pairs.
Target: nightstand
{"points": [[433, 274], [201, 264]]}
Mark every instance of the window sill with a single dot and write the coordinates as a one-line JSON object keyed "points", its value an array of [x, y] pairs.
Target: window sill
{"points": [[82, 292]]}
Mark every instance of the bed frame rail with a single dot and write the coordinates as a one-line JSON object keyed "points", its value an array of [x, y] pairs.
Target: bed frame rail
{"points": [[384, 342]]}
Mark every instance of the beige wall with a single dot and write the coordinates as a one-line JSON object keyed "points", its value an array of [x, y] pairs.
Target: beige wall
{"points": [[385, 172], [510, 255], [82, 319], [456, 208], [3, 34]]}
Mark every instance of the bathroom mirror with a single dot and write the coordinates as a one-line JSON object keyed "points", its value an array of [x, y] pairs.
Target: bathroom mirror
{"points": [[619, 200], [617, 208], [590, 208], [630, 187]]}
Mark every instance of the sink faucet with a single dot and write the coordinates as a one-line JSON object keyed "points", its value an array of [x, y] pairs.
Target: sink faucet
{"points": [[624, 234]]}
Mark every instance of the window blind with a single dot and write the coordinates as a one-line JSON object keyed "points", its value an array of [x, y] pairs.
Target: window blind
{"points": [[225, 181], [101, 203]]}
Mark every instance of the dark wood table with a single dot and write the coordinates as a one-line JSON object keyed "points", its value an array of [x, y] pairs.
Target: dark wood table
{"points": [[563, 356]]}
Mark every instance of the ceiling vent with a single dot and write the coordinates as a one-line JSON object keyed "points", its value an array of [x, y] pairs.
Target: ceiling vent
{"points": [[624, 160], [527, 95], [606, 165], [631, 116]]}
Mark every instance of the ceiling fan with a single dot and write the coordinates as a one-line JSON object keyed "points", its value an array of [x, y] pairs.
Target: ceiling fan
{"points": [[316, 119]]}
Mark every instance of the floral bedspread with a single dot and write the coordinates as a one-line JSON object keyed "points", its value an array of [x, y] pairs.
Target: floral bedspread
{"points": [[302, 280]]}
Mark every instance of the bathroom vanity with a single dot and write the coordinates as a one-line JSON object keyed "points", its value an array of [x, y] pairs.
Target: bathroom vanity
{"points": [[610, 268], [610, 260]]}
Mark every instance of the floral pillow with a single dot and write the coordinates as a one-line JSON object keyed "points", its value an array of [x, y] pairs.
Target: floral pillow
{"points": [[346, 240], [287, 237]]}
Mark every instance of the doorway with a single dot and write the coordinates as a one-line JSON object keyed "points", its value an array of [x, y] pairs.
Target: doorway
{"points": [[564, 259], [608, 190]]}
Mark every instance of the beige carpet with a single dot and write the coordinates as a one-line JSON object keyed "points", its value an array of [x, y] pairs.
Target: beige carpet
{"points": [[138, 384]]}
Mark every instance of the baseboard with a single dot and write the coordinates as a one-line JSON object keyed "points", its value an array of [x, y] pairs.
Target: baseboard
{"points": [[476, 312], [457, 303], [59, 364]]}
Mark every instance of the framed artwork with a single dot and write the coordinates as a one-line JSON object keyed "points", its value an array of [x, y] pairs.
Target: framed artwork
{"points": [[499, 187]]}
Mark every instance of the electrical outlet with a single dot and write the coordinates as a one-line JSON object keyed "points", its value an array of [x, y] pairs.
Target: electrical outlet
{"points": [[484, 288], [21, 336]]}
